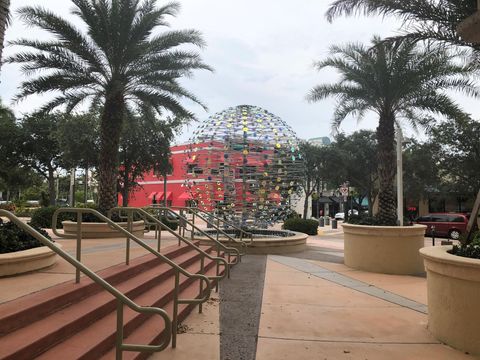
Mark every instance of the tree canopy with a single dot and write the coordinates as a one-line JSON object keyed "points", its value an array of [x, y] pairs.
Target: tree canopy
{"points": [[399, 81], [122, 63]]}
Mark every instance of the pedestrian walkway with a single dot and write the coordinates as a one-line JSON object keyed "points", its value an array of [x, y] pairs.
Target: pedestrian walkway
{"points": [[306, 305]]}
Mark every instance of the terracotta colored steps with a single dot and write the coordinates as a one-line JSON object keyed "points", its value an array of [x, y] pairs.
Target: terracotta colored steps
{"points": [[149, 333], [92, 342], [24, 311], [147, 281]]}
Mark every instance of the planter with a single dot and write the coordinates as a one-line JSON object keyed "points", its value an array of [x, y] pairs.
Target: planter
{"points": [[384, 249], [101, 230], [453, 284], [20, 262]]}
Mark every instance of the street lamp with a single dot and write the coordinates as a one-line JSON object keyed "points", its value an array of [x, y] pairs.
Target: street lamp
{"points": [[399, 177]]}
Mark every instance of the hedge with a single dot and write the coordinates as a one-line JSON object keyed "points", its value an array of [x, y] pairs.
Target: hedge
{"points": [[307, 226], [13, 238]]}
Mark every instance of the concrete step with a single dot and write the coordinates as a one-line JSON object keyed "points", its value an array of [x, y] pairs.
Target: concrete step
{"points": [[21, 312], [148, 333], [89, 309], [99, 338]]}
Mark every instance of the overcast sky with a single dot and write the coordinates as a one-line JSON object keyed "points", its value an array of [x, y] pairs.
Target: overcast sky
{"points": [[262, 52]]}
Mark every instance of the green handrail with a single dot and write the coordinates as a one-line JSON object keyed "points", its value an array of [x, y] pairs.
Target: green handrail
{"points": [[144, 214], [220, 231], [129, 235], [226, 249], [121, 298], [219, 219]]}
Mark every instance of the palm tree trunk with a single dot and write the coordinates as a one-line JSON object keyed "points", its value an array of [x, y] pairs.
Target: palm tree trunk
{"points": [[4, 6], [387, 213], [110, 129]]}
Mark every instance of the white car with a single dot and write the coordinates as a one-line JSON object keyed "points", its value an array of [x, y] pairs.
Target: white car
{"points": [[341, 215]]}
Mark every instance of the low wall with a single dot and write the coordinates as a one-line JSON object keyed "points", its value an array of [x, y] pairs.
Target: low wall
{"points": [[384, 249], [20, 262], [101, 230], [453, 284]]}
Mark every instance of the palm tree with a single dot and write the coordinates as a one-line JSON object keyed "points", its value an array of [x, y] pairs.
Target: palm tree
{"points": [[121, 62], [397, 81], [4, 19], [422, 19]]}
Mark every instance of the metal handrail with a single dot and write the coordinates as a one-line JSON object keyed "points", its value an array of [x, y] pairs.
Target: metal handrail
{"points": [[121, 298], [224, 233], [156, 221], [226, 249], [219, 219], [227, 224], [129, 235]]}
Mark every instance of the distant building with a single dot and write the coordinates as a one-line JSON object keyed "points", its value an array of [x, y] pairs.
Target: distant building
{"points": [[320, 141]]}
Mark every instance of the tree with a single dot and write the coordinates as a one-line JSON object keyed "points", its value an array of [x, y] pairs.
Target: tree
{"points": [[422, 19], [4, 19], [119, 63], [396, 80], [145, 146], [311, 180], [358, 153], [78, 136], [39, 149], [421, 165], [459, 154]]}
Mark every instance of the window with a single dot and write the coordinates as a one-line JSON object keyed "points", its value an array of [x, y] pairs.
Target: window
{"points": [[424, 219]]}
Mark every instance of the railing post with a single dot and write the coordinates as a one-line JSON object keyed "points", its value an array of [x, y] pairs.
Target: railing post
{"points": [[129, 229], [175, 309], [202, 271], [119, 337], [158, 231], [79, 245]]}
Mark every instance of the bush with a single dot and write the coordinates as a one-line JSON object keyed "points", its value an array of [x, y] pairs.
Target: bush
{"points": [[23, 212], [42, 217], [173, 225], [13, 238], [363, 220], [471, 250], [309, 226]]}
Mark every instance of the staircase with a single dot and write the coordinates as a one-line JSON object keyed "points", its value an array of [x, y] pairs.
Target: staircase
{"points": [[78, 321]]}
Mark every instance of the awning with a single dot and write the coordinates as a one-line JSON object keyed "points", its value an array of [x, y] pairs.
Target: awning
{"points": [[160, 195], [152, 194], [185, 196]]}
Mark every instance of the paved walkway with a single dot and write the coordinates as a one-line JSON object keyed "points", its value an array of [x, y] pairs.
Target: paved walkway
{"points": [[314, 307], [310, 306]]}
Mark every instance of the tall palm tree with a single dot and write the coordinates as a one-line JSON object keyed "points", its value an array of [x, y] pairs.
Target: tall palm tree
{"points": [[397, 81], [423, 19], [122, 62], [4, 19]]}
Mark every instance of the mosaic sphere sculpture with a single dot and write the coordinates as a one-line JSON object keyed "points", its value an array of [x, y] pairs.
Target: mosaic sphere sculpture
{"points": [[244, 163]]}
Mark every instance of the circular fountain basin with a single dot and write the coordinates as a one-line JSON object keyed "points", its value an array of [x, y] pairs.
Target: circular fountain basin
{"points": [[264, 241]]}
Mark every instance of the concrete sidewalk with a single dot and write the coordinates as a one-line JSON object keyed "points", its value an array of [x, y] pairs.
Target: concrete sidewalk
{"points": [[311, 306], [315, 309]]}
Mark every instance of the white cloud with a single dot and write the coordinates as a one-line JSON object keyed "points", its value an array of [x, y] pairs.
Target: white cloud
{"points": [[262, 52]]}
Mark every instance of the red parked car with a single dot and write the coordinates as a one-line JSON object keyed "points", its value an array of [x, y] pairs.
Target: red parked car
{"points": [[451, 225]]}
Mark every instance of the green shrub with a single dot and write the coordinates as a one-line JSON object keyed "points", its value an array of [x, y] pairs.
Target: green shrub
{"points": [[307, 226], [42, 217], [173, 225], [13, 238], [23, 212], [471, 250], [363, 220]]}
